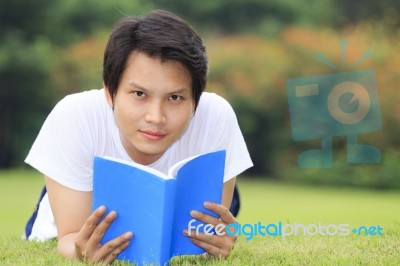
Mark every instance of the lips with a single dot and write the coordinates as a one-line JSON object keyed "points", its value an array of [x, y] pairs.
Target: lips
{"points": [[153, 135]]}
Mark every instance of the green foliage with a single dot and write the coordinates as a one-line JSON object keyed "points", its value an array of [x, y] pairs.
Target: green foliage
{"points": [[380, 176], [25, 18], [232, 16], [257, 124], [25, 97], [351, 11], [269, 17], [49, 50], [73, 20], [25, 63], [32, 34], [251, 72]]}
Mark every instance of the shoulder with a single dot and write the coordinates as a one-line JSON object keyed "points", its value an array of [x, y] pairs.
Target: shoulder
{"points": [[74, 131], [210, 99], [214, 119], [80, 117], [81, 107], [214, 106], [83, 100]]}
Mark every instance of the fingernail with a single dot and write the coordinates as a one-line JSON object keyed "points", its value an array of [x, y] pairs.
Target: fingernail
{"points": [[128, 235], [194, 213], [207, 204], [185, 233], [101, 209]]}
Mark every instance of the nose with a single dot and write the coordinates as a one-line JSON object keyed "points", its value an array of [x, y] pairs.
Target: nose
{"points": [[155, 113]]}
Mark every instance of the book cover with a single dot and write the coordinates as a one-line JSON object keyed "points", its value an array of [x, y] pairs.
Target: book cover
{"points": [[154, 206]]}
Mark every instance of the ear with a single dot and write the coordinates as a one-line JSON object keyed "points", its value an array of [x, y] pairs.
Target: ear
{"points": [[108, 96], [194, 107]]}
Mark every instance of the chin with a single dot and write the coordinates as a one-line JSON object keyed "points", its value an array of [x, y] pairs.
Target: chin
{"points": [[153, 151]]}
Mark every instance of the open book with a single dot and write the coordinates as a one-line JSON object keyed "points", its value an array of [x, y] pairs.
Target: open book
{"points": [[154, 206]]}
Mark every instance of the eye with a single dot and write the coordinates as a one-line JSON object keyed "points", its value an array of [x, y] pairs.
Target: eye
{"points": [[175, 98], [139, 94]]}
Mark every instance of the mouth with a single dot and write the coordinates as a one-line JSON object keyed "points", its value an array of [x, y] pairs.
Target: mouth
{"points": [[152, 135]]}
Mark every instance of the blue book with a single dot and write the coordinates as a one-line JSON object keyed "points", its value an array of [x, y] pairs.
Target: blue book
{"points": [[154, 206]]}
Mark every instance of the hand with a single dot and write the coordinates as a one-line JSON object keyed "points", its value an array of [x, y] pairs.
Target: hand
{"points": [[87, 242], [216, 245]]}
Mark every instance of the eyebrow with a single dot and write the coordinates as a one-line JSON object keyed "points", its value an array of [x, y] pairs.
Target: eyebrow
{"points": [[137, 86]]}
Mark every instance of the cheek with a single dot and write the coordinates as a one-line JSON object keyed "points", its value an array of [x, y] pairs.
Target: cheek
{"points": [[124, 117], [182, 119]]}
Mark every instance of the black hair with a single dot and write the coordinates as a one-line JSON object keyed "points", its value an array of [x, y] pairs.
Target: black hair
{"points": [[162, 35]]}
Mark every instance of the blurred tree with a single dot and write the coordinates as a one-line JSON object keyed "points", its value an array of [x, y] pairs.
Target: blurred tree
{"points": [[229, 16], [25, 98], [25, 60], [255, 16], [26, 19], [49, 49], [259, 128], [73, 20], [386, 11], [268, 17], [32, 33]]}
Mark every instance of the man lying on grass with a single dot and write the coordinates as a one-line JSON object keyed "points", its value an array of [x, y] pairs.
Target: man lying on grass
{"points": [[152, 110]]}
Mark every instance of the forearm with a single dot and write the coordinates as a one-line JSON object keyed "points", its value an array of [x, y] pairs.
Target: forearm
{"points": [[66, 246], [227, 192]]}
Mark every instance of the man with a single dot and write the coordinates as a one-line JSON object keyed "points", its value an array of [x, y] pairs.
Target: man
{"points": [[153, 111]]}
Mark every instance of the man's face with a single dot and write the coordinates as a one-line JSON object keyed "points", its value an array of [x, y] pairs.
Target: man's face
{"points": [[152, 107]]}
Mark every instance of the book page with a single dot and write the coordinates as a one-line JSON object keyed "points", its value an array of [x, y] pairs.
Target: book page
{"points": [[140, 166], [199, 180], [175, 168], [144, 203]]}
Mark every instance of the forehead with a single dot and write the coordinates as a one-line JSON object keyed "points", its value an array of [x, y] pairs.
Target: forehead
{"points": [[143, 64], [137, 57], [151, 72]]}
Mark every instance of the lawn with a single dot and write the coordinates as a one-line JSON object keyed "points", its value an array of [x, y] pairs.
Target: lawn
{"points": [[19, 192], [262, 201]]}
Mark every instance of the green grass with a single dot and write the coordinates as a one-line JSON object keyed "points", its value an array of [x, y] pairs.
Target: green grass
{"points": [[272, 202], [264, 201], [19, 192]]}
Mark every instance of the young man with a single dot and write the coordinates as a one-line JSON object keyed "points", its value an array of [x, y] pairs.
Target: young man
{"points": [[153, 111]]}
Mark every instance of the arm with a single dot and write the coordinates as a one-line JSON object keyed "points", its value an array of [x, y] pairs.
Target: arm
{"points": [[216, 245], [78, 229], [227, 192]]}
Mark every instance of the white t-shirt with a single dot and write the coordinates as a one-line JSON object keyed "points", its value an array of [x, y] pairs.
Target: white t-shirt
{"points": [[82, 126]]}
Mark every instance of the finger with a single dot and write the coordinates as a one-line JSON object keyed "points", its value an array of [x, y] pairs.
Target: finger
{"points": [[91, 223], [101, 229], [211, 249], [113, 248], [82, 249], [205, 218], [213, 240], [224, 214]]}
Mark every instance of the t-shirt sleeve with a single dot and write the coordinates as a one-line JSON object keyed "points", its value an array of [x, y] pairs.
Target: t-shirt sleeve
{"points": [[221, 131], [62, 149]]}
